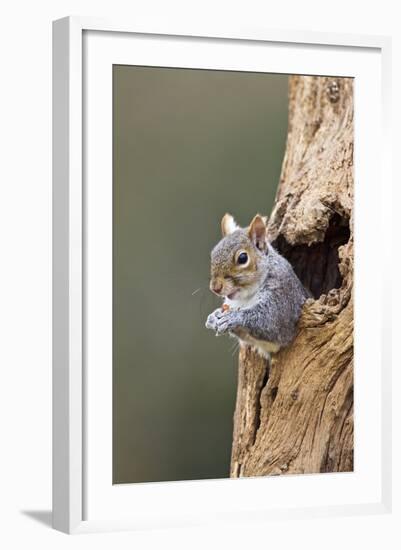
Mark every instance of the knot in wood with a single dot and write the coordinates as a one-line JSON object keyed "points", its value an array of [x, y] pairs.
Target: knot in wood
{"points": [[333, 91], [294, 395]]}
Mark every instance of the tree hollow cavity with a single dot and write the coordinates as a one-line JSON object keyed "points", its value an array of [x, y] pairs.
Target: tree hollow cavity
{"points": [[316, 265]]}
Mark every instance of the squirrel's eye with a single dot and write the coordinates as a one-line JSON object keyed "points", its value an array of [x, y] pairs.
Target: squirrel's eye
{"points": [[242, 258]]}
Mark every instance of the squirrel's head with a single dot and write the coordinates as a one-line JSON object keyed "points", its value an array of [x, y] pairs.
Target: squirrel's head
{"points": [[237, 260]]}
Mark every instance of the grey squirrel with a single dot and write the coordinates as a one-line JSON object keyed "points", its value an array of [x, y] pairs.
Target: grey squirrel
{"points": [[263, 297]]}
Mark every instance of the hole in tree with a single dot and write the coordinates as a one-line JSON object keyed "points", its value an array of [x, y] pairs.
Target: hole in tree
{"points": [[317, 265]]}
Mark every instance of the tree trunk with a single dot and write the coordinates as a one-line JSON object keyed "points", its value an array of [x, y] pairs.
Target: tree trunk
{"points": [[296, 414]]}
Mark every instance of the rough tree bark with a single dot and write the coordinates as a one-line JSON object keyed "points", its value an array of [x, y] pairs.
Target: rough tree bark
{"points": [[296, 415]]}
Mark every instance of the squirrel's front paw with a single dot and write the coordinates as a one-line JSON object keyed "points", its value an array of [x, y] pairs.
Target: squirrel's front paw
{"points": [[211, 321], [221, 321]]}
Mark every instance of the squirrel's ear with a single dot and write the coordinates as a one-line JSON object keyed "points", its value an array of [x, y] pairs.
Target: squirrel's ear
{"points": [[228, 225], [257, 232]]}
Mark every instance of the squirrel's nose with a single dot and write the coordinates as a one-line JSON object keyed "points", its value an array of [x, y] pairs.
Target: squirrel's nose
{"points": [[216, 287]]}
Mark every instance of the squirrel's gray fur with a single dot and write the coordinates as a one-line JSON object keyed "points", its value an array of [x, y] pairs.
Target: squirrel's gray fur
{"points": [[270, 294]]}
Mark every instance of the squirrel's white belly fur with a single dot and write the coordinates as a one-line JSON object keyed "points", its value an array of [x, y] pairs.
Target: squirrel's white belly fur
{"points": [[263, 347]]}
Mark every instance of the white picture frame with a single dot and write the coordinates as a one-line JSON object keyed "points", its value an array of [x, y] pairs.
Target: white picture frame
{"points": [[83, 496]]}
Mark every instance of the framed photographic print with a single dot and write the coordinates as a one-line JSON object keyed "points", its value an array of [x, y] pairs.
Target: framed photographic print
{"points": [[224, 184]]}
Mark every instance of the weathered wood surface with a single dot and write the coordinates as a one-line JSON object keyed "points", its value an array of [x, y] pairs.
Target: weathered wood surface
{"points": [[296, 416]]}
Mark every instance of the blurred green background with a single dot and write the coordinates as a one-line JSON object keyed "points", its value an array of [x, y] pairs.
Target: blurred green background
{"points": [[188, 146]]}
